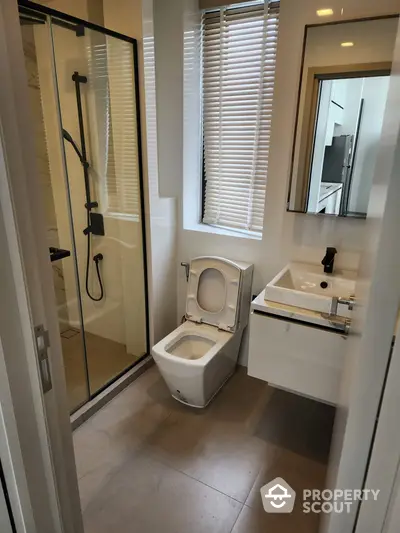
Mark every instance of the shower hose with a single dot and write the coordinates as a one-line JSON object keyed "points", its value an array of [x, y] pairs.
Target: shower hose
{"points": [[97, 258], [82, 158]]}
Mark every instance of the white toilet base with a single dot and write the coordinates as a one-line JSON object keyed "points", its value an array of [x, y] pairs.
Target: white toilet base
{"points": [[198, 357], [196, 381]]}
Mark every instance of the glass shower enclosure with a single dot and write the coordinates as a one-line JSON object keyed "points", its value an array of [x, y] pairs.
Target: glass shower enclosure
{"points": [[83, 90]]}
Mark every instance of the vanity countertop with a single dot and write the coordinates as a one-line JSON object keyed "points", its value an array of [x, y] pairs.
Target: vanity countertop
{"points": [[295, 313]]}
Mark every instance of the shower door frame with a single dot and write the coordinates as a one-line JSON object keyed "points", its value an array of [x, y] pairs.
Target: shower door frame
{"points": [[72, 21]]}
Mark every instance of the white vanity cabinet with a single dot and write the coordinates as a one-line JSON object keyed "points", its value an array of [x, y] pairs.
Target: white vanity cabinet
{"points": [[301, 357]]}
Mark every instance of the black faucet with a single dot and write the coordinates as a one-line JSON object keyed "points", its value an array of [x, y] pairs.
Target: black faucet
{"points": [[329, 259]]}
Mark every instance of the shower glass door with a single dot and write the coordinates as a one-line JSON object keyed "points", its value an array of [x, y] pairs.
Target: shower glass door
{"points": [[92, 131], [37, 55]]}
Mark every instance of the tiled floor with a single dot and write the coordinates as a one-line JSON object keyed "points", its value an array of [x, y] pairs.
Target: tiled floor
{"points": [[147, 464], [106, 359]]}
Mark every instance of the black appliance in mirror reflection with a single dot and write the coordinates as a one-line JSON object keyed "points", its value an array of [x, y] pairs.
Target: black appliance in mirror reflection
{"points": [[339, 162]]}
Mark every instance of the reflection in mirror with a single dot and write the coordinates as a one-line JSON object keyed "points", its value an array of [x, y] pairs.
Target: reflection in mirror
{"points": [[342, 99], [348, 128]]}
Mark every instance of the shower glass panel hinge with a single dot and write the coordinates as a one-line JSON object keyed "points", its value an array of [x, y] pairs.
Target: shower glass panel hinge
{"points": [[43, 345]]}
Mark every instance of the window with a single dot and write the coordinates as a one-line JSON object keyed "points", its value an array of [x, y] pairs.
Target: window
{"points": [[239, 54]]}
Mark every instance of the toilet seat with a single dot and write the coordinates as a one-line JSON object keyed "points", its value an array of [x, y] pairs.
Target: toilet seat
{"points": [[187, 329], [213, 292]]}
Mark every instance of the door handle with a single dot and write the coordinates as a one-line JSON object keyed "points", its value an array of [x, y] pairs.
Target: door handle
{"points": [[42, 347]]}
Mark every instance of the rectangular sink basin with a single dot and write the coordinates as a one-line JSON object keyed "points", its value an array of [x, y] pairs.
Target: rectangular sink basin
{"points": [[308, 287]]}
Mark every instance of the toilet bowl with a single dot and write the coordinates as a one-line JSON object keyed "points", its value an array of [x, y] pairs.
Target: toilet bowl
{"points": [[199, 356]]}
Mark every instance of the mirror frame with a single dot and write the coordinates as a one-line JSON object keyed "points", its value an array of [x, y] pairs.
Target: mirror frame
{"points": [[314, 76]]}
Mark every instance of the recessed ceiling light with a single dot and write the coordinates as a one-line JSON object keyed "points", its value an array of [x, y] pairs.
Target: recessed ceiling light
{"points": [[325, 12], [347, 44]]}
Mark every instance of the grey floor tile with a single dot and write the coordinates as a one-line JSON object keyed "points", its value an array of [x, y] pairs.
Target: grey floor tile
{"points": [[258, 521], [299, 424], [135, 410], [116, 434], [299, 471], [146, 496], [91, 484], [147, 463], [226, 460], [218, 446], [241, 402], [301, 430]]}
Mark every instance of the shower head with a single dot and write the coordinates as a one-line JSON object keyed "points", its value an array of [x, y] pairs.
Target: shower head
{"points": [[67, 136]]}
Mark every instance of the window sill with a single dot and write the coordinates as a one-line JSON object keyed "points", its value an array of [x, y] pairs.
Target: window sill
{"points": [[206, 228]]}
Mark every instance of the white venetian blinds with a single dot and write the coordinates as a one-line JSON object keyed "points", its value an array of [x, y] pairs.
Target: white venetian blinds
{"points": [[123, 184], [113, 133], [239, 55]]}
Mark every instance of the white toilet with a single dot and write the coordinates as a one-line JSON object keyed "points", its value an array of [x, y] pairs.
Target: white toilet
{"points": [[199, 356]]}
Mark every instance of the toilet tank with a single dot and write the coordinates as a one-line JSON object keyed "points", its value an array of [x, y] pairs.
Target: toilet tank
{"points": [[245, 292]]}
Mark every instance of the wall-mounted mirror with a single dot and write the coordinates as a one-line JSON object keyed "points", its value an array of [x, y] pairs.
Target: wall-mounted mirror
{"points": [[342, 97]]}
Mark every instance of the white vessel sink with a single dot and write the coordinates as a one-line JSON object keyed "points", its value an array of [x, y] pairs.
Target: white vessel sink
{"points": [[308, 287]]}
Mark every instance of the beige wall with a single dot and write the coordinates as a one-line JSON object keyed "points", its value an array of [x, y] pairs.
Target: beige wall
{"points": [[91, 10]]}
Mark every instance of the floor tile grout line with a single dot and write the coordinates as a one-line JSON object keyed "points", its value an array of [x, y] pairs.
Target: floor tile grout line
{"points": [[147, 448], [152, 455], [115, 471], [237, 518], [168, 413], [157, 459], [209, 486], [117, 468], [141, 451]]}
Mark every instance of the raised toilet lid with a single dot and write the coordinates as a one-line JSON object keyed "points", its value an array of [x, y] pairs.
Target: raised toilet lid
{"points": [[213, 292]]}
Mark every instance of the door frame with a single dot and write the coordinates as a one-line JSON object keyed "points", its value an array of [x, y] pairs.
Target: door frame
{"points": [[383, 469], [391, 524], [7, 522], [42, 473], [374, 319]]}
